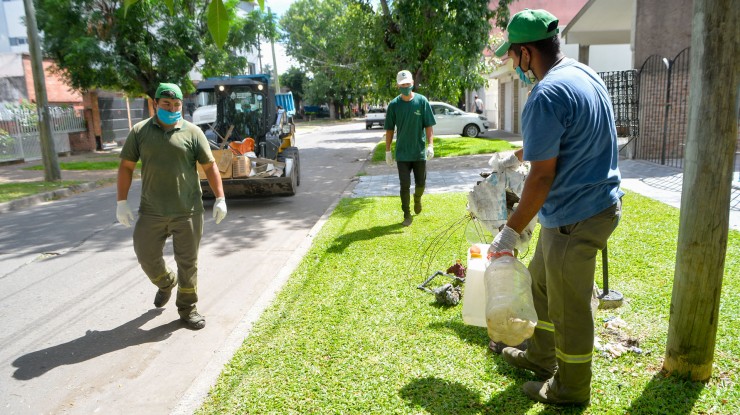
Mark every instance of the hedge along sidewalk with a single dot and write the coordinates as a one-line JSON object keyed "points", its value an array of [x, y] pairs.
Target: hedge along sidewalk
{"points": [[351, 333]]}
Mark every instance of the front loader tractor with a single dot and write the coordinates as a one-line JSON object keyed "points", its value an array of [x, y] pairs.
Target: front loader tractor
{"points": [[252, 135]]}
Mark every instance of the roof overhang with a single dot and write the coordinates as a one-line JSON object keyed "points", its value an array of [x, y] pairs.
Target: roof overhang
{"points": [[601, 22]]}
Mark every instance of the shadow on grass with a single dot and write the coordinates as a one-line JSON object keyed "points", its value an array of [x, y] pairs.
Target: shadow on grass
{"points": [[470, 334], [343, 241], [348, 207], [442, 397], [667, 395]]}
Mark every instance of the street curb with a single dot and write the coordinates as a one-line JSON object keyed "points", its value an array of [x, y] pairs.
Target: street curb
{"points": [[36, 199], [195, 395]]}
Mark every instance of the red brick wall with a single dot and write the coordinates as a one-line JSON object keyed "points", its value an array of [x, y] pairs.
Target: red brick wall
{"points": [[81, 142], [57, 91]]}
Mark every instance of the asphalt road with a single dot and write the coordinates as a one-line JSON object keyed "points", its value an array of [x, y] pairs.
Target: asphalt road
{"points": [[79, 332]]}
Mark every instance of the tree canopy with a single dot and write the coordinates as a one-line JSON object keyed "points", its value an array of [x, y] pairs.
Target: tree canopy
{"points": [[98, 44], [323, 36], [361, 44]]}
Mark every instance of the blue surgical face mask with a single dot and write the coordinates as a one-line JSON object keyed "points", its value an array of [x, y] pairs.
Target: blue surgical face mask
{"points": [[168, 117], [523, 76], [405, 90]]}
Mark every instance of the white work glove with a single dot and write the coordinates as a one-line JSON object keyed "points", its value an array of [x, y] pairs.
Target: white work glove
{"points": [[124, 214], [219, 209], [388, 158], [504, 243], [430, 152], [502, 161]]}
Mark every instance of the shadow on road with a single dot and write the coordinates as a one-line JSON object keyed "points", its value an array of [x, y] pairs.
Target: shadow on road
{"points": [[93, 344]]}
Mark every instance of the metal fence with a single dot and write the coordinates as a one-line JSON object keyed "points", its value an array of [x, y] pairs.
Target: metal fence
{"points": [[622, 87], [651, 112], [19, 131]]}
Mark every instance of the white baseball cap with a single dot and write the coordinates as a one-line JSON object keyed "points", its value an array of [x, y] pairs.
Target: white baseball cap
{"points": [[404, 77]]}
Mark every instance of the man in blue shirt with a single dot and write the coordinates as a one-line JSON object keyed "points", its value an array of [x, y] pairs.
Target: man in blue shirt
{"points": [[573, 185]]}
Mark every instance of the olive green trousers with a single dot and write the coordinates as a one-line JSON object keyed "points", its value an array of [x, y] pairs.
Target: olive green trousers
{"points": [[150, 235], [562, 272]]}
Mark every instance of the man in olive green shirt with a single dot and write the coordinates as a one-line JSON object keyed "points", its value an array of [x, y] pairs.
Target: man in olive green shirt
{"points": [[171, 203], [410, 114]]}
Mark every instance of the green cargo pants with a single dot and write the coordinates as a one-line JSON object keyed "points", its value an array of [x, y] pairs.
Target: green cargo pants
{"points": [[150, 234], [562, 271]]}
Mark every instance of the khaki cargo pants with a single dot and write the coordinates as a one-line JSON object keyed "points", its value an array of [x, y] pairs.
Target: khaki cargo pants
{"points": [[150, 235], [562, 271]]}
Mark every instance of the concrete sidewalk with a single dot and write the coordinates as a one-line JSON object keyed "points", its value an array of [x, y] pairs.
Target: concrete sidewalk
{"points": [[460, 174]]}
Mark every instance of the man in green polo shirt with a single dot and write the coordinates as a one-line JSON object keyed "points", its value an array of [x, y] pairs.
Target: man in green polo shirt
{"points": [[410, 114], [171, 203]]}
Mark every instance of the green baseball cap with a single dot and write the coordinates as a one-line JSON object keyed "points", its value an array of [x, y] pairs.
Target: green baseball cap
{"points": [[529, 26], [171, 88]]}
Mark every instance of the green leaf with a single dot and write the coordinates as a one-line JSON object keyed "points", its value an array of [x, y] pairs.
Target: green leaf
{"points": [[218, 22], [127, 4], [262, 4], [170, 5]]}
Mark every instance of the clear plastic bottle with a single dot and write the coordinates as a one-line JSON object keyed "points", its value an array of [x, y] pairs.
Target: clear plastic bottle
{"points": [[510, 314]]}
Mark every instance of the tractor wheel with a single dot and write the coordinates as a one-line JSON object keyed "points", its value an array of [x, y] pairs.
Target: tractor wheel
{"points": [[292, 152]]}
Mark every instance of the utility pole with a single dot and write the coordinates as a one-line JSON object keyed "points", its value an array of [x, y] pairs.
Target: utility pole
{"points": [[259, 51], [704, 217], [49, 154], [274, 59]]}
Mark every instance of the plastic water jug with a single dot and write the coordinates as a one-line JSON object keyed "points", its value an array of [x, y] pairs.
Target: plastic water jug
{"points": [[510, 314], [474, 296]]}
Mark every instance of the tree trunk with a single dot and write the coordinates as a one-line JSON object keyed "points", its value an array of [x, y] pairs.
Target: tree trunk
{"points": [[703, 228]]}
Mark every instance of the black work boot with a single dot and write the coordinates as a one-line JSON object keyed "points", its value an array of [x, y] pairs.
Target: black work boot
{"points": [[417, 204], [407, 219], [518, 358], [548, 392], [193, 319], [163, 295]]}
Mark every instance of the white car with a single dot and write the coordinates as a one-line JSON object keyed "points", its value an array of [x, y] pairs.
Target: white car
{"points": [[451, 120]]}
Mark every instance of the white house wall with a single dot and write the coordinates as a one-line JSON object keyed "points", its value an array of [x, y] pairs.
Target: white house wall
{"points": [[608, 58], [13, 26], [602, 58]]}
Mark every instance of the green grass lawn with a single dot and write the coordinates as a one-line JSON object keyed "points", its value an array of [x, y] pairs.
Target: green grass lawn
{"points": [[351, 334], [12, 191], [83, 165], [453, 146]]}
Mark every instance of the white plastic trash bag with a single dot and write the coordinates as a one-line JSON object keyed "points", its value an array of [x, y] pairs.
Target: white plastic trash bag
{"points": [[487, 202], [510, 314]]}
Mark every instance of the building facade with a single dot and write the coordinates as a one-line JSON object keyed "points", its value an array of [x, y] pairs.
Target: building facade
{"points": [[506, 95]]}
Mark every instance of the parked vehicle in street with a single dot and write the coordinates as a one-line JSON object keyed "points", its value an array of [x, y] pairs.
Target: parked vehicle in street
{"points": [[451, 120], [375, 115]]}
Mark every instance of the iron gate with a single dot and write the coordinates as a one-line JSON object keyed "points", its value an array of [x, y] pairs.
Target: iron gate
{"points": [[622, 87], [663, 96]]}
